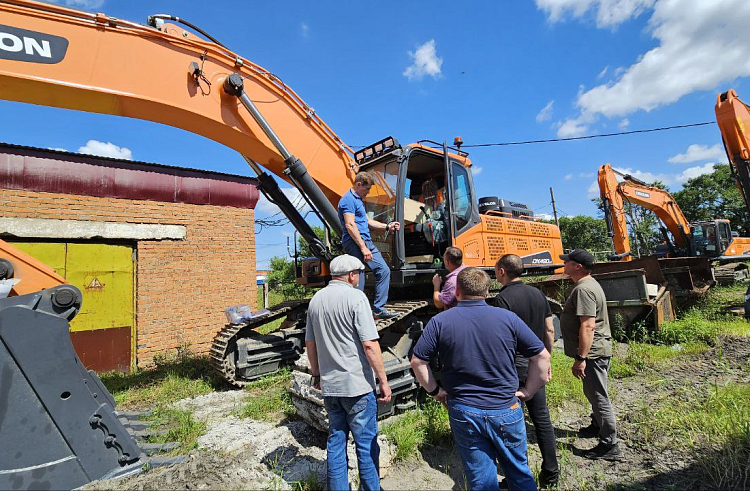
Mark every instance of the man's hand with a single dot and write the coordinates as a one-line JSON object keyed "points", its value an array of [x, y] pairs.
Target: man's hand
{"points": [[442, 397], [523, 394], [315, 382], [437, 281], [549, 374], [393, 226], [367, 253], [385, 392], [579, 369]]}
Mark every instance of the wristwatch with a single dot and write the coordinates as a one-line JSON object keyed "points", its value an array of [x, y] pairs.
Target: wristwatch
{"points": [[580, 358], [434, 392]]}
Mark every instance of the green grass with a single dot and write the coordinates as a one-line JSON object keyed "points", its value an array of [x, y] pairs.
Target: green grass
{"points": [[563, 387], [426, 425], [269, 398], [180, 426], [173, 378], [643, 356], [715, 429]]}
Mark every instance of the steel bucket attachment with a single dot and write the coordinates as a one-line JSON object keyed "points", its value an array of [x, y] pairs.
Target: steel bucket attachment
{"points": [[58, 426]]}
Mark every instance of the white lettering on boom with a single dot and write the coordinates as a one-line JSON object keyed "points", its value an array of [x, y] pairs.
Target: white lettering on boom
{"points": [[17, 44], [30, 45]]}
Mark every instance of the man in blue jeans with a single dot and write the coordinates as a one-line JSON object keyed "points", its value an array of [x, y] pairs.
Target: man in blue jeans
{"points": [[476, 345], [358, 242], [342, 346]]}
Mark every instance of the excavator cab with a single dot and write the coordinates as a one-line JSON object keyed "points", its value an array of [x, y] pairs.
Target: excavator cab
{"points": [[711, 238], [430, 192]]}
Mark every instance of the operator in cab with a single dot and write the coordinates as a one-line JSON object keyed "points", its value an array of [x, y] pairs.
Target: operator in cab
{"points": [[358, 242]]}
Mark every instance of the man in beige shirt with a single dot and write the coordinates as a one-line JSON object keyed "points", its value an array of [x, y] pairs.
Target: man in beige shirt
{"points": [[588, 339]]}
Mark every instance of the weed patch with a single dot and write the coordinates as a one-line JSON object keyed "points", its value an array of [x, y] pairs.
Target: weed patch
{"points": [[180, 426], [563, 387], [269, 398], [642, 356], [715, 429], [426, 425], [173, 378]]}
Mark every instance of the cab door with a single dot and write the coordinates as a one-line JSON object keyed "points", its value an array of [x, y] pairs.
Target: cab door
{"points": [[462, 205]]}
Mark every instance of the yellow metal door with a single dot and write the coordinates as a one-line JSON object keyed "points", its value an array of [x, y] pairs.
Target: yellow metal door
{"points": [[103, 332]]}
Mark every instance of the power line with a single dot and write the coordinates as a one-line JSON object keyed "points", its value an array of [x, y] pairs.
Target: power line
{"points": [[573, 138], [589, 137]]}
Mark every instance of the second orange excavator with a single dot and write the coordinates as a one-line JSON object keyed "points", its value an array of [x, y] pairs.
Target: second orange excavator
{"points": [[710, 239]]}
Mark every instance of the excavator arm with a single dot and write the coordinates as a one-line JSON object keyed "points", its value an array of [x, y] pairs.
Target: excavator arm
{"points": [[733, 118], [55, 56], [614, 194]]}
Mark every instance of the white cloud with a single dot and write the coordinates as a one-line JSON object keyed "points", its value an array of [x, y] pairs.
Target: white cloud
{"points": [[695, 153], [102, 149], [609, 13], [623, 124], [476, 170], [603, 72], [700, 47], [84, 4], [292, 194], [305, 29], [568, 177], [693, 172], [57, 148], [425, 62], [546, 113], [545, 216], [593, 190], [573, 127]]}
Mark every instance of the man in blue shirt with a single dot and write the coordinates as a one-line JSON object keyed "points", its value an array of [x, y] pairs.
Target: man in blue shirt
{"points": [[358, 243], [476, 345]]}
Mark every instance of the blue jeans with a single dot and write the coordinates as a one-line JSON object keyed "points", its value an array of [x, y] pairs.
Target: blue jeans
{"points": [[484, 437], [379, 268], [360, 416]]}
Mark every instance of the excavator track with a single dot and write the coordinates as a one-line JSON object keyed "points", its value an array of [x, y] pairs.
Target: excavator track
{"points": [[224, 355], [396, 340]]}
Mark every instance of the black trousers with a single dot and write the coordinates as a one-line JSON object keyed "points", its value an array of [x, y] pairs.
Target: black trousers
{"points": [[545, 435]]}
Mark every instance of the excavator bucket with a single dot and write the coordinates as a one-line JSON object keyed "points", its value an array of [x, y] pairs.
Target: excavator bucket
{"points": [[58, 425], [685, 276]]}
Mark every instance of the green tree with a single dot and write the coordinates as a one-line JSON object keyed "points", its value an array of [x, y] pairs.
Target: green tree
{"points": [[582, 231], [714, 195], [282, 279]]}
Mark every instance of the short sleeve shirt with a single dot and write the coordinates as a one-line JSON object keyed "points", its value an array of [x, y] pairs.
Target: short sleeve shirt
{"points": [[448, 293], [586, 299], [339, 318], [476, 345], [352, 203]]}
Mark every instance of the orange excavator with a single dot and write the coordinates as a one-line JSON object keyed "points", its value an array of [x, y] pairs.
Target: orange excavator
{"points": [[733, 118], [172, 72], [711, 239]]}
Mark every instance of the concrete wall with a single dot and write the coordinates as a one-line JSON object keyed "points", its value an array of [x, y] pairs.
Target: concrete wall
{"points": [[182, 286]]}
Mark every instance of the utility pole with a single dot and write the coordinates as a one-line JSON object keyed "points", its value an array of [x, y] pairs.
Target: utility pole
{"points": [[554, 207]]}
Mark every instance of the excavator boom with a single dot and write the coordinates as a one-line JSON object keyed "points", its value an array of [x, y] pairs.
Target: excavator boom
{"points": [[733, 118], [55, 56]]}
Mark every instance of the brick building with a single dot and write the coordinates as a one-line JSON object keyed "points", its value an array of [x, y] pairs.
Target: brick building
{"points": [[159, 252]]}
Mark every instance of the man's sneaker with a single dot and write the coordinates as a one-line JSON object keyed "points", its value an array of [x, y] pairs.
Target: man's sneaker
{"points": [[383, 314], [604, 452], [590, 431]]}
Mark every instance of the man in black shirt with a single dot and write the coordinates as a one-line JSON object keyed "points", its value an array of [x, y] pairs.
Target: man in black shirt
{"points": [[532, 307]]}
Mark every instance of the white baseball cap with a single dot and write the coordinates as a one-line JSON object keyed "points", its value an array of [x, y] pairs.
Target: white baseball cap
{"points": [[344, 264]]}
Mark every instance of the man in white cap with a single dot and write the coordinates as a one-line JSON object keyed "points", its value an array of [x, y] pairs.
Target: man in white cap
{"points": [[343, 349]]}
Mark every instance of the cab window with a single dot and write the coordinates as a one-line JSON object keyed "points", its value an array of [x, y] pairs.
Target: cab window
{"points": [[461, 196]]}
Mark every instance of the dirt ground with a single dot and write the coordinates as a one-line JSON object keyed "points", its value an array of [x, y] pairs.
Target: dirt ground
{"points": [[245, 454]]}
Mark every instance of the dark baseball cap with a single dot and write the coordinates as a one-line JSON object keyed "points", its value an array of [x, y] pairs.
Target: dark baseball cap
{"points": [[581, 256]]}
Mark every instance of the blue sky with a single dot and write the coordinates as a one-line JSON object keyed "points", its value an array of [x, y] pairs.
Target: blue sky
{"points": [[488, 71]]}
